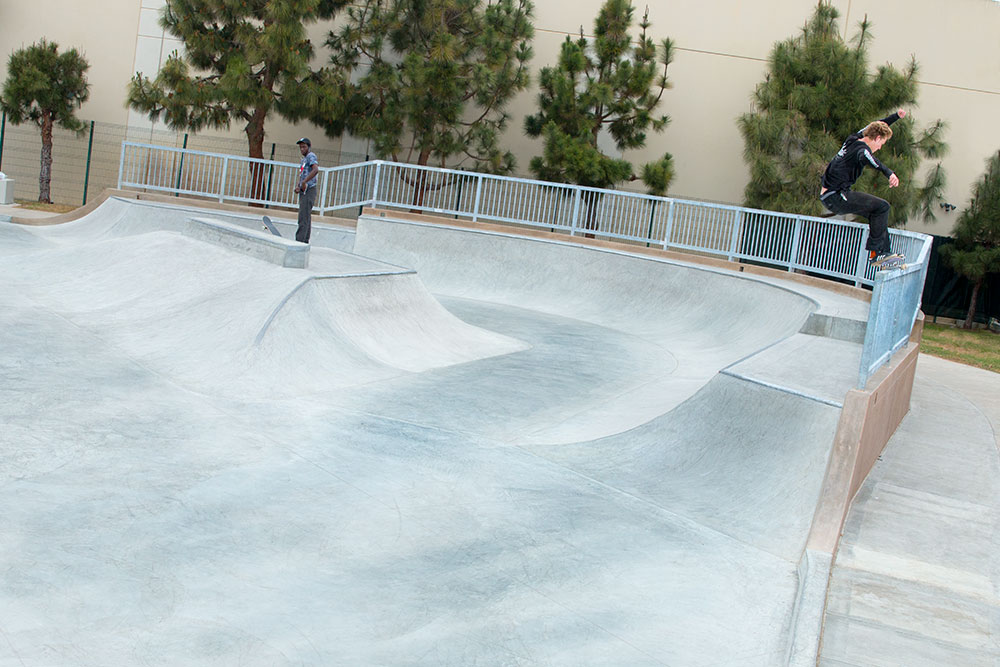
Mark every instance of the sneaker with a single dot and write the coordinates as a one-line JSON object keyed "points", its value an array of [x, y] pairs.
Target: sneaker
{"points": [[886, 258]]}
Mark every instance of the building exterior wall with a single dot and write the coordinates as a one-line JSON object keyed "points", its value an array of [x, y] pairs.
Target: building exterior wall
{"points": [[722, 51]]}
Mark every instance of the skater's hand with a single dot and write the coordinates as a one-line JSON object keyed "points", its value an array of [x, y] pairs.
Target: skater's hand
{"points": [[893, 181], [901, 113]]}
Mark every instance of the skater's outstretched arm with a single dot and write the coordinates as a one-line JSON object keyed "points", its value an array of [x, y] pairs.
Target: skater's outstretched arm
{"points": [[888, 120]]}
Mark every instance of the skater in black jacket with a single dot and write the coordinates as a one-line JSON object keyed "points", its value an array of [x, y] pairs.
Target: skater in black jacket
{"points": [[857, 153]]}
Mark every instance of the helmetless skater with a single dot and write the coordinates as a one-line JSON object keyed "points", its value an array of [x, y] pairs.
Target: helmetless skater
{"points": [[845, 168]]}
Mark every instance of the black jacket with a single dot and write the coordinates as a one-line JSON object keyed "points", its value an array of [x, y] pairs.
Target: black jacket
{"points": [[851, 159]]}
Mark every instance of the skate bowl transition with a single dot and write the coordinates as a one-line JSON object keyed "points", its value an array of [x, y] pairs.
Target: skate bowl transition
{"points": [[416, 442]]}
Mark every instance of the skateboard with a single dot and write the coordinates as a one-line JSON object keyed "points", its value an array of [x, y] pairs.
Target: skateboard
{"points": [[269, 226], [888, 265]]}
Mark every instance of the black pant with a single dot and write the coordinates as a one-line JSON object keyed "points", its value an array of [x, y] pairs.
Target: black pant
{"points": [[870, 207], [306, 202]]}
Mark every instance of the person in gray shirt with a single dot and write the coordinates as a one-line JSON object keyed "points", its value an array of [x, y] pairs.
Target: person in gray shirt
{"points": [[306, 189]]}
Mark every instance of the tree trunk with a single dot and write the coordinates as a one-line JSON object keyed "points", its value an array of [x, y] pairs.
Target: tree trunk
{"points": [[971, 315], [255, 141], [45, 175], [591, 199], [420, 186]]}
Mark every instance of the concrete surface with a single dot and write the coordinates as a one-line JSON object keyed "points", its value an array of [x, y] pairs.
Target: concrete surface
{"points": [[569, 457]]}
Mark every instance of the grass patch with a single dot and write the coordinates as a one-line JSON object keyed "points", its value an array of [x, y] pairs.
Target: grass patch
{"points": [[41, 206], [979, 348]]}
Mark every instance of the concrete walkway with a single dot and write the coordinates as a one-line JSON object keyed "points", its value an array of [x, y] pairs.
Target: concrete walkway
{"points": [[8, 211], [916, 578]]}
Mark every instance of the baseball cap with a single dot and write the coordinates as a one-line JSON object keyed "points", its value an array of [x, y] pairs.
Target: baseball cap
{"points": [[305, 141]]}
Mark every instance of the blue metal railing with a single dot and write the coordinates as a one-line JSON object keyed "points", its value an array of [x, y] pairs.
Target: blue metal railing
{"points": [[820, 246]]}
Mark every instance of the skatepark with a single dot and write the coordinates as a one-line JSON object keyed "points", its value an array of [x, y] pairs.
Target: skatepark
{"points": [[434, 443]]}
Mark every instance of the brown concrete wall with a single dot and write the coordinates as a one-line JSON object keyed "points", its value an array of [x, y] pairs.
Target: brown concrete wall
{"points": [[867, 421]]}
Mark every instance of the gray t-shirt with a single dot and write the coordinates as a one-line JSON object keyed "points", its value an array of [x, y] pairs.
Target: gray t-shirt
{"points": [[307, 162]]}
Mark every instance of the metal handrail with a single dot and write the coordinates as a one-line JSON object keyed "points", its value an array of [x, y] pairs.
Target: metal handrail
{"points": [[819, 246]]}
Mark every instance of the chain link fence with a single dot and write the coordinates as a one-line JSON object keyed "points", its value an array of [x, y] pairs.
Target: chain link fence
{"points": [[84, 164]]}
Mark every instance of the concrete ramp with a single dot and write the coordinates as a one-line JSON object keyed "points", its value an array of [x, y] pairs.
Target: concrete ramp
{"points": [[219, 321], [742, 459], [691, 321], [389, 318]]}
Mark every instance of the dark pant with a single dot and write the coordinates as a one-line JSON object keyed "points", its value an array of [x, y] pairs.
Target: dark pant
{"points": [[874, 209], [306, 202]]}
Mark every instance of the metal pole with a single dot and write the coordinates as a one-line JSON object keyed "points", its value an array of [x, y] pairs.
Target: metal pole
{"points": [[793, 253], [364, 182], [458, 197], [378, 172], [670, 225], [222, 183], [574, 220], [734, 242], [121, 166], [270, 175], [180, 167], [479, 195], [90, 150]]}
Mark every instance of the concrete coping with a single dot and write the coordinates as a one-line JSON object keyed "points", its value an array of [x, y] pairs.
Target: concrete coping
{"points": [[256, 244]]}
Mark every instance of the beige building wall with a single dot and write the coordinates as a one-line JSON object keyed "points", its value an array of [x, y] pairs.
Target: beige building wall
{"points": [[105, 33], [722, 51]]}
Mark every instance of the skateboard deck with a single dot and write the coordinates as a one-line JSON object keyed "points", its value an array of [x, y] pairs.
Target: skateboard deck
{"points": [[885, 265], [269, 226]]}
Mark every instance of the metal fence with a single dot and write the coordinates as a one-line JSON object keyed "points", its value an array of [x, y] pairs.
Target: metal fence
{"points": [[84, 164], [824, 247]]}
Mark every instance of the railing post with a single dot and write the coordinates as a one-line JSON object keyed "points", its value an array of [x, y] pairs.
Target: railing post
{"points": [[270, 177], [859, 274], [735, 240], [324, 192], [3, 131], [90, 150], [121, 166], [479, 194], [375, 183], [222, 184], [670, 226], [793, 255], [364, 182], [574, 221]]}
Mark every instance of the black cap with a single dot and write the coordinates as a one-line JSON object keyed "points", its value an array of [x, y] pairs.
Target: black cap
{"points": [[305, 141]]}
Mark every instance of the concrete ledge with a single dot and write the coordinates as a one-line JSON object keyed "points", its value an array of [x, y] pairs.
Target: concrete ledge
{"points": [[838, 328], [810, 605], [867, 421], [859, 293], [260, 245]]}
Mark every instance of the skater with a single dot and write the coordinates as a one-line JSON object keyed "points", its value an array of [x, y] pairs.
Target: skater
{"points": [[858, 152], [306, 189]]}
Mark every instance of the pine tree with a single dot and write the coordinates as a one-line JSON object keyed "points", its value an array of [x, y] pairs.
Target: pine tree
{"points": [[242, 61], [976, 251], [45, 87], [611, 85], [433, 78], [818, 91]]}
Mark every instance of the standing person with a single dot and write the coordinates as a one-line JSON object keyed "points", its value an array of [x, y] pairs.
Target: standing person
{"points": [[306, 189], [857, 153]]}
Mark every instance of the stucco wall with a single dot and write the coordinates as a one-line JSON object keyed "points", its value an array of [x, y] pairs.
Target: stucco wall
{"points": [[722, 50]]}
